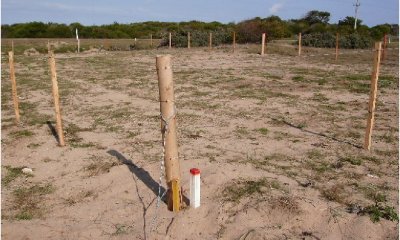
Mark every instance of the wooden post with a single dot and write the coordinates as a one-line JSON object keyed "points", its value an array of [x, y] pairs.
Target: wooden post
{"points": [[234, 41], [337, 47], [12, 46], [210, 41], [168, 130], [372, 96], [188, 39], [383, 55], [14, 86], [151, 40], [79, 45], [299, 43], [56, 97], [262, 44], [170, 40]]}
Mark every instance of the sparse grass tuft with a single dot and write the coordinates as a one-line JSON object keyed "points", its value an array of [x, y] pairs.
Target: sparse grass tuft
{"points": [[377, 211], [352, 160], [263, 131], [335, 193], [245, 188], [21, 133], [100, 166], [11, 174], [28, 201]]}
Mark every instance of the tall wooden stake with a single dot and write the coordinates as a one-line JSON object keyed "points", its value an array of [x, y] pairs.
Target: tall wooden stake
{"points": [[151, 40], [210, 41], [262, 44], [168, 130], [56, 97], [170, 40], [14, 86], [299, 44], [383, 55], [234, 41], [12, 46], [188, 39], [372, 96], [337, 47]]}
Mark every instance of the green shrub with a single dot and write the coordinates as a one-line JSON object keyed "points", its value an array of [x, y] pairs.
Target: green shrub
{"points": [[197, 38], [328, 40]]}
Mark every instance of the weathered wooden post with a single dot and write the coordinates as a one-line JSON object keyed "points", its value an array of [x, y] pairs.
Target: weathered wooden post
{"points": [[188, 39], [337, 47], [372, 96], [210, 41], [168, 130], [12, 46], [262, 44], [299, 43], [56, 97], [14, 86], [383, 55], [151, 40], [170, 40], [234, 41]]}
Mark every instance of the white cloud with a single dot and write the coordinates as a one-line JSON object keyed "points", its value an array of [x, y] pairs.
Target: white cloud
{"points": [[275, 8]]}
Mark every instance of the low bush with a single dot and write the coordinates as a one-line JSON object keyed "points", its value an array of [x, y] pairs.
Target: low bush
{"points": [[328, 40]]}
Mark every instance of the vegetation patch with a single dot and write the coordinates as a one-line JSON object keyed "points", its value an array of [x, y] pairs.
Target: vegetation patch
{"points": [[245, 188], [11, 174], [28, 201]]}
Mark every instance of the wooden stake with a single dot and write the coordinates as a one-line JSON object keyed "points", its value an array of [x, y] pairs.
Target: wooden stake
{"points": [[262, 44], [372, 96], [14, 86], [12, 46], [168, 130], [188, 39], [383, 55], [210, 42], [337, 47], [299, 44], [151, 40], [170, 40], [56, 97], [79, 45], [234, 41]]}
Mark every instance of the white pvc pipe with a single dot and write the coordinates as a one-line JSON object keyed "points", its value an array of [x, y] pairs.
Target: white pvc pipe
{"points": [[195, 188]]}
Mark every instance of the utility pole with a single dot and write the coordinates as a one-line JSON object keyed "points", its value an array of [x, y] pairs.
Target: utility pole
{"points": [[357, 5]]}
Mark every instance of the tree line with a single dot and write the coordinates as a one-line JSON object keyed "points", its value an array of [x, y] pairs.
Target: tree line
{"points": [[313, 22]]}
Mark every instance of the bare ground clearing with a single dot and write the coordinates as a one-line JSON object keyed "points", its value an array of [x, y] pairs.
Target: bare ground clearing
{"points": [[278, 140]]}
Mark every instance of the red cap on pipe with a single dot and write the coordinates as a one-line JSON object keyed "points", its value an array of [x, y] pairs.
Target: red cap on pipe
{"points": [[195, 171]]}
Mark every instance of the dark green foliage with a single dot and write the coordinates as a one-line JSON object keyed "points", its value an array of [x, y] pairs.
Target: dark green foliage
{"points": [[315, 16], [328, 40], [314, 22], [197, 38], [377, 211]]}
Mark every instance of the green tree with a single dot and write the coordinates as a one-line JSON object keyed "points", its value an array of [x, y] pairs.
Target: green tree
{"points": [[316, 16]]}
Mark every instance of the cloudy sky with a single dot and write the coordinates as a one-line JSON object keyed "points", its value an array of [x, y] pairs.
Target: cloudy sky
{"points": [[372, 12]]}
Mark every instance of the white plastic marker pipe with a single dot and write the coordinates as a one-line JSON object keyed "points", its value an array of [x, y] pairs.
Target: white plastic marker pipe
{"points": [[195, 188], [77, 39]]}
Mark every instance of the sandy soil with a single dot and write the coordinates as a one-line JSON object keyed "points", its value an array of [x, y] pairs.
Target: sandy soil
{"points": [[278, 140]]}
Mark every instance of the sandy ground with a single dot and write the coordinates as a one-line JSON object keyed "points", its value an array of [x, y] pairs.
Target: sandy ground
{"points": [[278, 140]]}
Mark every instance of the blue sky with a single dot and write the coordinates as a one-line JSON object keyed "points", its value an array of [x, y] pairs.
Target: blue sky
{"points": [[98, 12]]}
